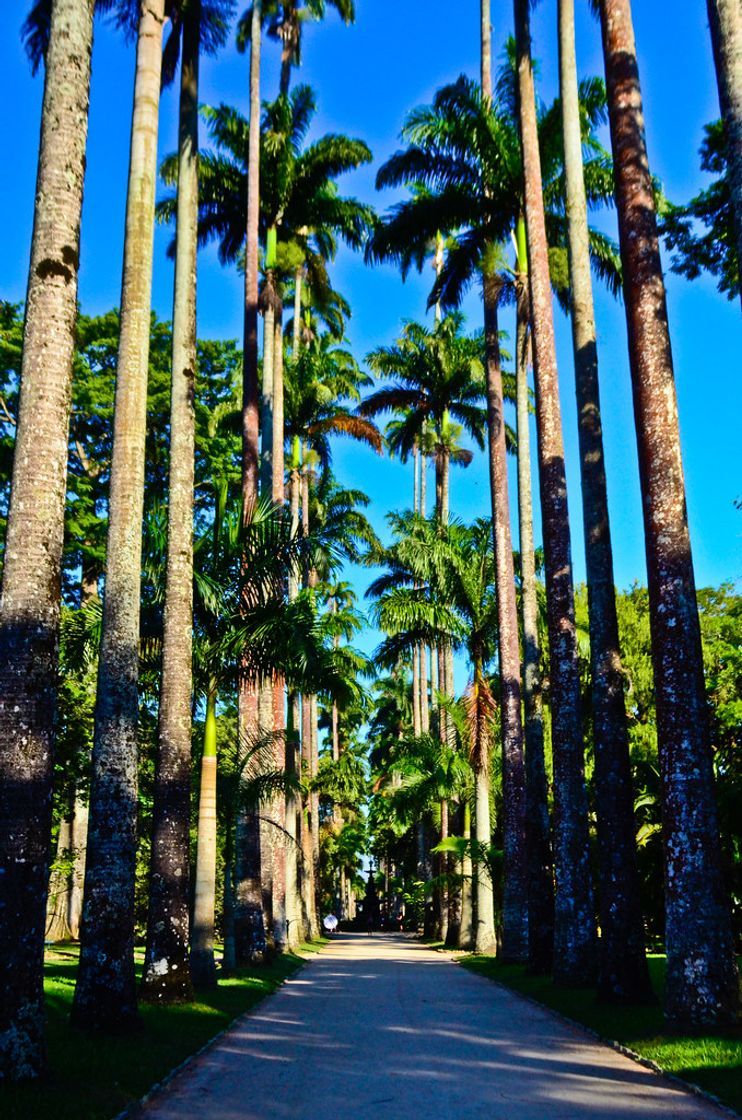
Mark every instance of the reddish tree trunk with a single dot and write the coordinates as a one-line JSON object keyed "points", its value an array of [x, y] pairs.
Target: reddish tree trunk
{"points": [[702, 978], [574, 937], [515, 878]]}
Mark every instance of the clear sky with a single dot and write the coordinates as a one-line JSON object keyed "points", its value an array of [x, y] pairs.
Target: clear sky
{"points": [[367, 77]]}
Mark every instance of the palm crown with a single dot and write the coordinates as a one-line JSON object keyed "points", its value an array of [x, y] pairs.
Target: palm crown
{"points": [[463, 165]]}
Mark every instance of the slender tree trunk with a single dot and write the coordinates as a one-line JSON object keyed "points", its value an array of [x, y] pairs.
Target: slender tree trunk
{"points": [[166, 977], [79, 838], [307, 764], [293, 746], [483, 888], [203, 969], [466, 932], [266, 410], [29, 609], [443, 871], [296, 340], [515, 867], [248, 933], [57, 910], [575, 941], [702, 978], [540, 870], [105, 995], [250, 432], [278, 413], [623, 967], [725, 21]]}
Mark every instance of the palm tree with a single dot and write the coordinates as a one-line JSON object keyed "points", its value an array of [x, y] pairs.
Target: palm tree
{"points": [[440, 589], [725, 22], [167, 922], [285, 24], [702, 976], [105, 993], [574, 934], [439, 379], [464, 162], [30, 608], [623, 966]]}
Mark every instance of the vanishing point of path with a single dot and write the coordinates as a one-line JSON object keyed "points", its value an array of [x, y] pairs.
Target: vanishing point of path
{"points": [[384, 1027]]}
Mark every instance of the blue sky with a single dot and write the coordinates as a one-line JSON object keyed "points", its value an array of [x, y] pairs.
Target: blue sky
{"points": [[366, 78]]}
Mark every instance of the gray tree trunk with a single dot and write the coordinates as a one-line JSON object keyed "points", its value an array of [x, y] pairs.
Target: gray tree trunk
{"points": [[702, 978], [575, 957], [538, 844], [167, 977], [515, 865], [623, 966], [105, 996], [29, 608]]}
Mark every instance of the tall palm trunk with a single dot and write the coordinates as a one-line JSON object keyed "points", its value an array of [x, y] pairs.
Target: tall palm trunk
{"points": [[515, 871], [702, 978], [484, 898], [725, 21], [515, 865], [105, 996], [575, 941], [293, 745], [250, 426], [29, 608], [466, 930], [166, 977], [247, 836], [203, 969], [79, 839], [623, 966], [310, 825], [538, 845], [275, 848], [57, 910]]}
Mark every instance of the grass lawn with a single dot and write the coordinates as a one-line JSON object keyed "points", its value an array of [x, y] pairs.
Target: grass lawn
{"points": [[711, 1060], [94, 1078]]}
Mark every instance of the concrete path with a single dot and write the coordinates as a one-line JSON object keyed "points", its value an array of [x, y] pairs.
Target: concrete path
{"points": [[383, 1027]]}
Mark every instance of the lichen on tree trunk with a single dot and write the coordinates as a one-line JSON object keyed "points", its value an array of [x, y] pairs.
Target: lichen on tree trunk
{"points": [[702, 978]]}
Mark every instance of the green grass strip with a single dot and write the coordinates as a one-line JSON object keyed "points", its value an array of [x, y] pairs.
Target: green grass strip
{"points": [[92, 1077], [710, 1059]]}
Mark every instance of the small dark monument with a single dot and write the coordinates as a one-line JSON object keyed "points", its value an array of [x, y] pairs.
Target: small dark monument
{"points": [[371, 908]]}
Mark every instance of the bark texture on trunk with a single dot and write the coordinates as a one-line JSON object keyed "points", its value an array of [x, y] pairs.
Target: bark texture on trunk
{"points": [[575, 957], [623, 967], [484, 902], [57, 910], [466, 929], [248, 936], [29, 608], [248, 888], [725, 21], [538, 843], [515, 868], [250, 422], [203, 968], [702, 978], [105, 996], [166, 977]]}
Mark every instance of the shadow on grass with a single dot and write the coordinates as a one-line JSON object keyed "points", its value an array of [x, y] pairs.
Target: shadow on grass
{"points": [[92, 1077], [711, 1059]]}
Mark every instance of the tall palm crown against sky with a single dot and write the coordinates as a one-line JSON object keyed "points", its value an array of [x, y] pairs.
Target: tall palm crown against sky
{"points": [[367, 77]]}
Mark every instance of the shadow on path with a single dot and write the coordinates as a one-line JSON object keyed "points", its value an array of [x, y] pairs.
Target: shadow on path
{"points": [[384, 1027]]}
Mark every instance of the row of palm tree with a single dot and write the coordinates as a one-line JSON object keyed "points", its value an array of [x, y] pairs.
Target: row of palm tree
{"points": [[484, 165]]}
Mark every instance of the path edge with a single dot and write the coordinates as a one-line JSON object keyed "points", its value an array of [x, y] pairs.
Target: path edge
{"points": [[627, 1052], [135, 1108]]}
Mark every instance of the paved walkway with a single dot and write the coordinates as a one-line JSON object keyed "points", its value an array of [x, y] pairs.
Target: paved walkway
{"points": [[383, 1027]]}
